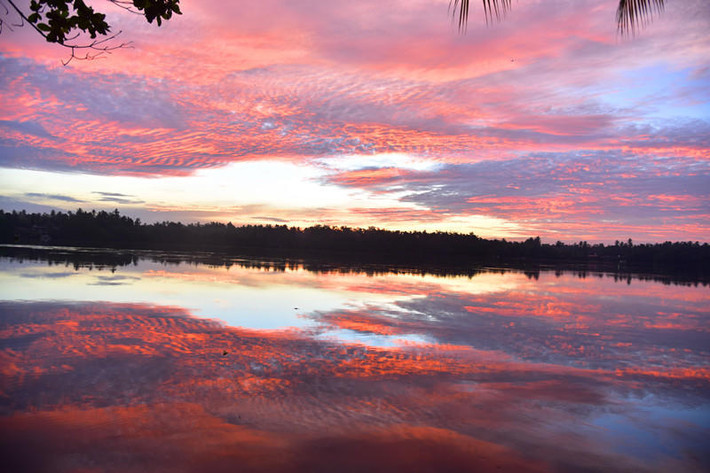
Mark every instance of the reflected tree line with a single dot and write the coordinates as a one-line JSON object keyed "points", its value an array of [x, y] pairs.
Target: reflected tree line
{"points": [[112, 260], [443, 252]]}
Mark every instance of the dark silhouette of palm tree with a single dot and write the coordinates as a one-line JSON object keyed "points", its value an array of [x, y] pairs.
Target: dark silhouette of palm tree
{"points": [[630, 15]]}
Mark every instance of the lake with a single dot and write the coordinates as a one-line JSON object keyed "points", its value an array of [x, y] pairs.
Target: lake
{"points": [[151, 362]]}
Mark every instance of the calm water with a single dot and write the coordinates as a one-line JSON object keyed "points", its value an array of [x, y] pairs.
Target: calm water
{"points": [[141, 363]]}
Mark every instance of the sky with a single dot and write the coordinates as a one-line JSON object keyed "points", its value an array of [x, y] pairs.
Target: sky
{"points": [[372, 113]]}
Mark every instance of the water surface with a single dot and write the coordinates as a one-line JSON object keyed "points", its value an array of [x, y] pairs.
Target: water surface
{"points": [[145, 362]]}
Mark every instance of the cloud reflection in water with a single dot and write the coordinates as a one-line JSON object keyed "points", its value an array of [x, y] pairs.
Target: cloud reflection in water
{"points": [[555, 374]]}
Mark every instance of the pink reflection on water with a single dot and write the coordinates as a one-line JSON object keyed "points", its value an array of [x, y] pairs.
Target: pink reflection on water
{"points": [[133, 386]]}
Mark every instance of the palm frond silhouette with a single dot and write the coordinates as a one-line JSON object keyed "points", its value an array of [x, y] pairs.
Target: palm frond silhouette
{"points": [[630, 14]]}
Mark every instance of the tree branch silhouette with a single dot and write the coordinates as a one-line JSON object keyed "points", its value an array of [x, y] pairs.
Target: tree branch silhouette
{"points": [[67, 22]]}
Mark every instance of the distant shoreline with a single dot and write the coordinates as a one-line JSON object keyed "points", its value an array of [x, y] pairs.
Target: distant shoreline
{"points": [[346, 245], [114, 258]]}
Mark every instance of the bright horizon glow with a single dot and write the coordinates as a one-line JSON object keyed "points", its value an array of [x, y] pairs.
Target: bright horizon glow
{"points": [[234, 194], [369, 114]]}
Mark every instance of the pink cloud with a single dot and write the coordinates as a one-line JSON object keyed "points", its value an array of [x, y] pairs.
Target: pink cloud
{"points": [[268, 80]]}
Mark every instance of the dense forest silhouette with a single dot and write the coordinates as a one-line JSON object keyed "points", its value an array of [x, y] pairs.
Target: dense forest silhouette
{"points": [[373, 245]]}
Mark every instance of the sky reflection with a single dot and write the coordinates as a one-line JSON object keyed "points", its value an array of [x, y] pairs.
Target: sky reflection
{"points": [[239, 296], [259, 370]]}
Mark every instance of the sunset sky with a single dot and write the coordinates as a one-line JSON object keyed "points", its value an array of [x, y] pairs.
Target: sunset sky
{"points": [[372, 113]]}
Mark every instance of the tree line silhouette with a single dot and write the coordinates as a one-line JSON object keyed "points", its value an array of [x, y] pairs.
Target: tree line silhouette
{"points": [[102, 259], [113, 230]]}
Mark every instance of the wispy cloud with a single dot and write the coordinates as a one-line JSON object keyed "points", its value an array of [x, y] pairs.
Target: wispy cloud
{"points": [[64, 198], [522, 103], [26, 128], [118, 197]]}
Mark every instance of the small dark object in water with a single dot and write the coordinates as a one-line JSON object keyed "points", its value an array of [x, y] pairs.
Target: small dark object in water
{"points": [[225, 352]]}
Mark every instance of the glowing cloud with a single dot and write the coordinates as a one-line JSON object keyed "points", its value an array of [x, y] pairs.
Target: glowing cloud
{"points": [[382, 97]]}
